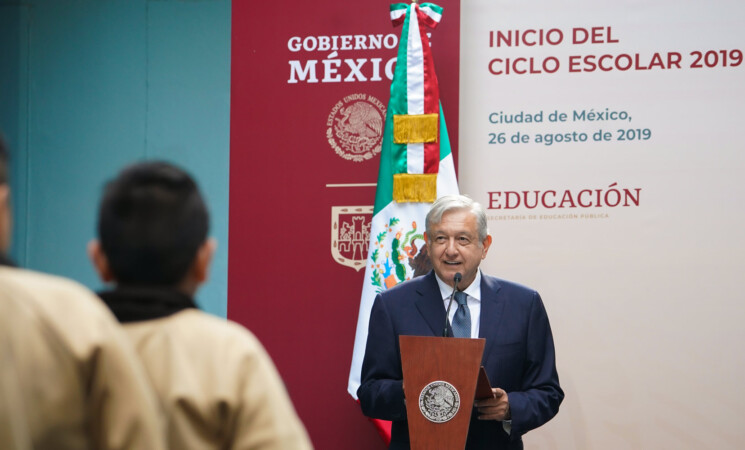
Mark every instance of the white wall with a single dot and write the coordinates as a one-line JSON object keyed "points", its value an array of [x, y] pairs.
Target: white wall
{"points": [[645, 300]]}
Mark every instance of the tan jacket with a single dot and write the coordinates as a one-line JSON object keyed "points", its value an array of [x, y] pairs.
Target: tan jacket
{"points": [[217, 385], [69, 378]]}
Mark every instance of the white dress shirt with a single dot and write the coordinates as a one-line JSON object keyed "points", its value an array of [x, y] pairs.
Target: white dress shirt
{"points": [[474, 301]]}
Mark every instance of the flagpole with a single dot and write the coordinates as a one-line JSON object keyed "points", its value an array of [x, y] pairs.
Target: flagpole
{"points": [[396, 251]]}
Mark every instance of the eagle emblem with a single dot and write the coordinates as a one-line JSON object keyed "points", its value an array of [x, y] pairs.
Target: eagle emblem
{"points": [[355, 127]]}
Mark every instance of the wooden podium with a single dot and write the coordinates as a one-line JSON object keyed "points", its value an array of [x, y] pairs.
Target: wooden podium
{"points": [[440, 378]]}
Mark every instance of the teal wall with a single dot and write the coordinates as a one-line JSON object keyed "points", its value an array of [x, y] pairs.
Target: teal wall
{"points": [[88, 86]]}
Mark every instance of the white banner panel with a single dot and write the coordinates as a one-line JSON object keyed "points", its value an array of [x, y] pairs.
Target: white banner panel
{"points": [[606, 141]]}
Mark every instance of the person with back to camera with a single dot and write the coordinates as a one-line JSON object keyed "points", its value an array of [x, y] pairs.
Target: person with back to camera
{"points": [[69, 377], [217, 386], [519, 353]]}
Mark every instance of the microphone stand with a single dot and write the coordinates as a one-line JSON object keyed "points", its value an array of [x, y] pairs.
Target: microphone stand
{"points": [[456, 279]]}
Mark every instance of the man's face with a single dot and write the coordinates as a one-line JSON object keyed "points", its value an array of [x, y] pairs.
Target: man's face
{"points": [[454, 246]]}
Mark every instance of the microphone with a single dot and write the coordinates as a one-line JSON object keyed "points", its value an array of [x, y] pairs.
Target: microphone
{"points": [[456, 279]]}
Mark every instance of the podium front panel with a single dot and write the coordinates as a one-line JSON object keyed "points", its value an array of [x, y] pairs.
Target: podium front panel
{"points": [[440, 377]]}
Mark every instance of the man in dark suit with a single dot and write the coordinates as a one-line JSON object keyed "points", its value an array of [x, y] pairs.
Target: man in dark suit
{"points": [[519, 353]]}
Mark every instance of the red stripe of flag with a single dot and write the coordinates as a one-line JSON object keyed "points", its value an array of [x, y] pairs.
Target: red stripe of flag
{"points": [[431, 92]]}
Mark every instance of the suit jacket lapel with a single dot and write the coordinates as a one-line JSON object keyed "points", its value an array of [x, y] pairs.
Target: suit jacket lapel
{"points": [[430, 303], [492, 306]]}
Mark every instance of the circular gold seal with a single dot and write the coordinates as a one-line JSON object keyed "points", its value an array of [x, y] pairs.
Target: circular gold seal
{"points": [[355, 127], [439, 401]]}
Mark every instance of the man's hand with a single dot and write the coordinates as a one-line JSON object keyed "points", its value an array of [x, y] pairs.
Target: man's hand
{"points": [[495, 408]]}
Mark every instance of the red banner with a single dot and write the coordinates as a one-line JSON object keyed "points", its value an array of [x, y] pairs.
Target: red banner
{"points": [[308, 99]]}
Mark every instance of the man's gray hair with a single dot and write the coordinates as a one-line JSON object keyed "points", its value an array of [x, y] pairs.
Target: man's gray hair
{"points": [[449, 203]]}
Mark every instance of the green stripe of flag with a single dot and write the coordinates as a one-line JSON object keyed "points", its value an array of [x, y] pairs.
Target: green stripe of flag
{"points": [[399, 102]]}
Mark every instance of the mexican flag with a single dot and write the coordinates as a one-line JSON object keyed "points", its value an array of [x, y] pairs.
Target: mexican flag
{"points": [[416, 168]]}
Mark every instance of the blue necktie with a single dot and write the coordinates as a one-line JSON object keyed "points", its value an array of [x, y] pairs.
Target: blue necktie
{"points": [[462, 319]]}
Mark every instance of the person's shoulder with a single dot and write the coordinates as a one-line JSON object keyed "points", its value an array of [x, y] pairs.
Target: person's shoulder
{"points": [[217, 329], [228, 343], [507, 286], [31, 280], [409, 286], [51, 293], [64, 311]]}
